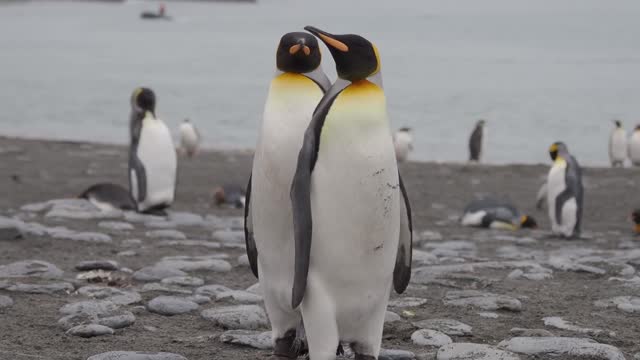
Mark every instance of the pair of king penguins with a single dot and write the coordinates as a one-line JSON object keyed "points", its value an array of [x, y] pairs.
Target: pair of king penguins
{"points": [[564, 192], [152, 156], [327, 223]]}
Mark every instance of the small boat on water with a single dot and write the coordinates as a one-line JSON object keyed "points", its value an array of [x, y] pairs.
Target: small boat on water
{"points": [[155, 15]]}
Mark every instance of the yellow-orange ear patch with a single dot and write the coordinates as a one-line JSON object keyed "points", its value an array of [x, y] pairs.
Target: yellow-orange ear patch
{"points": [[553, 148], [334, 43], [136, 92], [294, 49], [306, 50]]}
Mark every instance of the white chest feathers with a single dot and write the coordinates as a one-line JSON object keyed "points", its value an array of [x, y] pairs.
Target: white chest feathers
{"points": [[403, 144], [158, 157], [634, 147], [618, 146], [189, 138]]}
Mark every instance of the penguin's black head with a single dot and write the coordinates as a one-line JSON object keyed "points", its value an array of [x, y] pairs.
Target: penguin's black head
{"points": [[298, 52], [481, 123], [618, 123], [527, 221], [356, 57], [556, 147], [143, 99]]}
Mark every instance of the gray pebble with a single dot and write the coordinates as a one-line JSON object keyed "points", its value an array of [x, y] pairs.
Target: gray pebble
{"points": [[136, 355], [5, 301], [165, 288], [195, 263], [211, 290], [469, 351], [31, 268], [183, 281], [107, 265], [203, 243], [228, 236], [199, 299], [166, 234], [9, 232], [157, 272], [390, 317], [99, 312], [388, 354], [248, 317], [117, 296], [116, 225], [482, 300], [185, 219], [254, 339], [243, 260], [530, 332], [448, 326], [562, 346], [171, 305], [255, 289], [127, 253], [51, 288], [90, 330], [131, 242], [428, 337], [240, 296], [407, 302]]}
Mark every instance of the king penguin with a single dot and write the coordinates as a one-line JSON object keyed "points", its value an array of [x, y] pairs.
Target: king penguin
{"points": [[189, 138], [476, 141], [152, 156], [618, 145], [297, 87], [634, 146], [564, 192], [403, 143], [351, 214]]}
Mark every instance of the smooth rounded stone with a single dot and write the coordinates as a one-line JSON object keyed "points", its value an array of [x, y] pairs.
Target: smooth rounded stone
{"points": [[212, 290], [195, 263], [89, 307], [136, 355], [185, 218], [226, 223], [86, 236], [79, 209], [248, 317], [9, 231], [228, 236], [171, 305], [243, 260], [428, 337], [203, 243], [446, 326], [199, 299], [131, 242], [630, 304], [31, 268], [429, 235], [91, 330], [166, 234], [116, 225], [114, 295], [160, 224], [488, 315], [51, 288], [482, 300], [521, 332], [157, 272], [470, 351], [165, 288], [127, 253], [255, 289], [183, 281], [636, 356], [107, 265], [390, 317], [254, 339], [407, 302], [240, 296], [421, 258], [5, 301], [558, 346], [388, 354], [560, 323], [566, 264], [106, 316]]}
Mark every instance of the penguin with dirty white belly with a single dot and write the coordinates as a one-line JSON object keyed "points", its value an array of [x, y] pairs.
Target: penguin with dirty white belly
{"points": [[351, 214], [564, 192], [618, 145], [297, 87], [152, 156], [634, 146]]}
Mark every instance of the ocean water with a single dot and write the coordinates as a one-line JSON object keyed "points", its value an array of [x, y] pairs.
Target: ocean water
{"points": [[537, 71]]}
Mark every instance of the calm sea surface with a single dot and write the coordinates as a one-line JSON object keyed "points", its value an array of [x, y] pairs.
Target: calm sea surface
{"points": [[538, 71]]}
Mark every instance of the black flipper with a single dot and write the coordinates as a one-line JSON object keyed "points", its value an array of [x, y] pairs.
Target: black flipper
{"points": [[301, 192], [134, 161], [402, 270], [250, 241]]}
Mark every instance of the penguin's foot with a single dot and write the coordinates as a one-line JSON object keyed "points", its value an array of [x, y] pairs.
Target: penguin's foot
{"points": [[285, 348], [156, 210]]}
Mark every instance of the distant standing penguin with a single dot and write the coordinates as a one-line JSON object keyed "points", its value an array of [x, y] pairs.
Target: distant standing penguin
{"points": [[564, 192], [403, 143], [296, 88], [475, 141], [189, 138], [634, 146], [618, 145], [152, 156], [351, 215]]}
